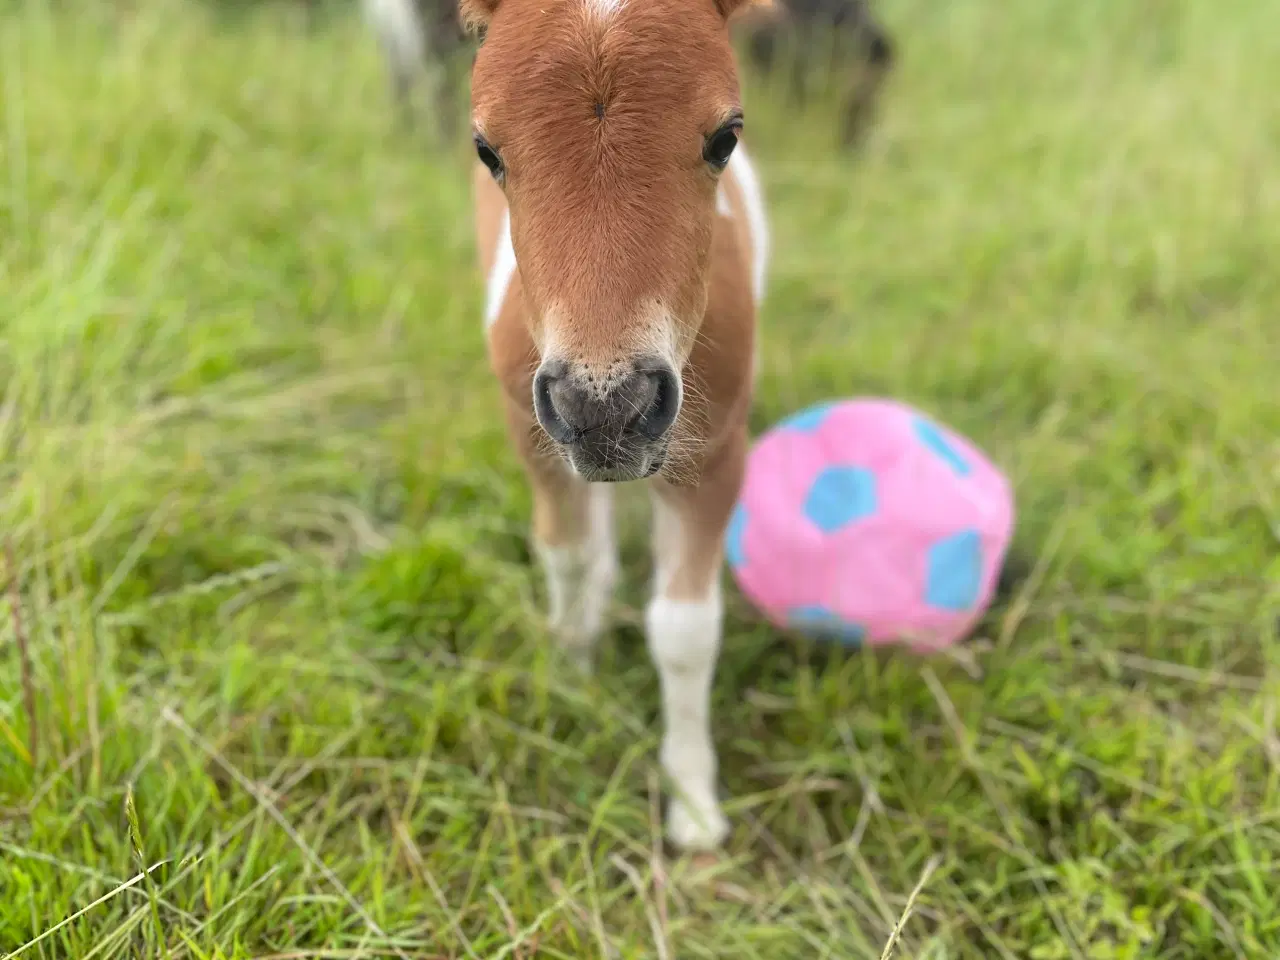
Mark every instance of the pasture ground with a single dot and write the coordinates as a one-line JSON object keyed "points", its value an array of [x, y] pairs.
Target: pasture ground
{"points": [[267, 540]]}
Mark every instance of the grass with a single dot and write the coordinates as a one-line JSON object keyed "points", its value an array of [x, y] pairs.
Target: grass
{"points": [[293, 696]]}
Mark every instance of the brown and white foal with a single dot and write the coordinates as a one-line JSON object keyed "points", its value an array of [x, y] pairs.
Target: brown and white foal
{"points": [[622, 232]]}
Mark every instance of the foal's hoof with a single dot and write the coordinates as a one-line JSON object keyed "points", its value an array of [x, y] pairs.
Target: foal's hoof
{"points": [[696, 828]]}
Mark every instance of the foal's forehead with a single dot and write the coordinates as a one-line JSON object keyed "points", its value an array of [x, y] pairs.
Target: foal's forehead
{"points": [[542, 55]]}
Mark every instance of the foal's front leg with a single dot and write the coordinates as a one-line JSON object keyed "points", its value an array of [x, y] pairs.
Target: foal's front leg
{"points": [[683, 625], [579, 561], [574, 541]]}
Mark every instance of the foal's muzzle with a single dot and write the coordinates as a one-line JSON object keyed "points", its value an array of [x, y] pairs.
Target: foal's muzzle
{"points": [[612, 426]]}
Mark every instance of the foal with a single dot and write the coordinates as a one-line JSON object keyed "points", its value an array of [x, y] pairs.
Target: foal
{"points": [[622, 232]]}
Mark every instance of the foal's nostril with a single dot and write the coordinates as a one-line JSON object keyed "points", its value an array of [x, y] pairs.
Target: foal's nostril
{"points": [[544, 407], [659, 414], [573, 410]]}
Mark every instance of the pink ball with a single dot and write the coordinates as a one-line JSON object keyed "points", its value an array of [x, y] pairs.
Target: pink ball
{"points": [[867, 521]]}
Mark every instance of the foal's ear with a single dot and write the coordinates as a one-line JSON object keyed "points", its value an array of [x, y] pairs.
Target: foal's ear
{"points": [[728, 8], [476, 13]]}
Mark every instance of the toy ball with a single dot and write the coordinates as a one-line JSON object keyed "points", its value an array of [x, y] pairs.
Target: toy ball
{"points": [[865, 521]]}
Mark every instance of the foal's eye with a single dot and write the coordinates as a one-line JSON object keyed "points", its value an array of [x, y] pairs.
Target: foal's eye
{"points": [[719, 146], [489, 157]]}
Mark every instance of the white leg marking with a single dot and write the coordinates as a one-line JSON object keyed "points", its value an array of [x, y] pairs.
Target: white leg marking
{"points": [[581, 578], [684, 642], [753, 200], [504, 267]]}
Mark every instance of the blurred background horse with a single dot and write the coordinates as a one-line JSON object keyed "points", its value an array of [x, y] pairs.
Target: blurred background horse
{"points": [[851, 50], [423, 41]]}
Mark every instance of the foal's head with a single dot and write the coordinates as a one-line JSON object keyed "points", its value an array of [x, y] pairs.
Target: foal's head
{"points": [[607, 123]]}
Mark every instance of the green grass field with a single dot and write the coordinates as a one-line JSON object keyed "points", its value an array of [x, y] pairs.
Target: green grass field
{"points": [[265, 540]]}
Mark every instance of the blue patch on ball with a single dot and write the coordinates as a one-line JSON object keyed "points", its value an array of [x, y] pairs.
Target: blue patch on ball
{"points": [[954, 572], [839, 496], [932, 437], [808, 420], [735, 548], [818, 621]]}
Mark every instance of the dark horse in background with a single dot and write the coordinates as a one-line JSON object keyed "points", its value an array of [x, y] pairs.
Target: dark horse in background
{"points": [[422, 40], [839, 39]]}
